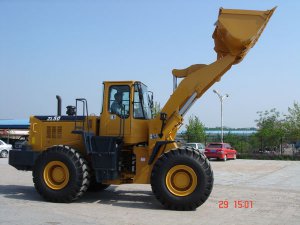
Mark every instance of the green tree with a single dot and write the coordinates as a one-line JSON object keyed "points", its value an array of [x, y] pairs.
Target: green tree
{"points": [[240, 142], [194, 130], [293, 121], [156, 109], [271, 128]]}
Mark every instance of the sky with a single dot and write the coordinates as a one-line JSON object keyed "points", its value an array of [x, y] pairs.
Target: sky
{"points": [[70, 47]]}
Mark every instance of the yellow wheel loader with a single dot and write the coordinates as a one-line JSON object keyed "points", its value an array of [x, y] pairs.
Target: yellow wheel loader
{"points": [[69, 154]]}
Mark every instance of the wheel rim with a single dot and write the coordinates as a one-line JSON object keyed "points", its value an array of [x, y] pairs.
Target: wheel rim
{"points": [[181, 180], [56, 175]]}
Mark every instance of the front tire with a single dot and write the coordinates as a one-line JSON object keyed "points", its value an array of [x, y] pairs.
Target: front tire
{"points": [[61, 174], [182, 179], [4, 154], [234, 157], [225, 158]]}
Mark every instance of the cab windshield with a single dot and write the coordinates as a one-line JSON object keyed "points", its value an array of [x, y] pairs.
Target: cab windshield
{"points": [[142, 102]]}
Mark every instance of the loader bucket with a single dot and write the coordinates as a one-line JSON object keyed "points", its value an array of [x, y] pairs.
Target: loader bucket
{"points": [[238, 30]]}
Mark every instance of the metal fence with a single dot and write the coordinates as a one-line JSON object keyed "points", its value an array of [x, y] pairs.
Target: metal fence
{"points": [[255, 146], [259, 147]]}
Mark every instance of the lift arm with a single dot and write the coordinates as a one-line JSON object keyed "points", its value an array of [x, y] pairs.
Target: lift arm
{"points": [[236, 32]]}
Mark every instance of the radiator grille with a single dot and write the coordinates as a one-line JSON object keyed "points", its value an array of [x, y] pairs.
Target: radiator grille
{"points": [[54, 132], [59, 132]]}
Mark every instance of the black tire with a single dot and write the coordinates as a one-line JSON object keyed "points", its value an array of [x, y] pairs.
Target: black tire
{"points": [[94, 186], [75, 183], [225, 158], [4, 153], [202, 179]]}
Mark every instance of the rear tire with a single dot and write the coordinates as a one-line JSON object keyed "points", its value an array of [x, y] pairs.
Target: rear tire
{"points": [[61, 174], [182, 179]]}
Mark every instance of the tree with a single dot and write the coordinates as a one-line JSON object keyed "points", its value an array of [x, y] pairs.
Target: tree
{"points": [[271, 128], [156, 109], [293, 121], [194, 130]]}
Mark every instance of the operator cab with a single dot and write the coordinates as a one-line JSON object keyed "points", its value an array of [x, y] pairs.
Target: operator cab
{"points": [[127, 106], [120, 98]]}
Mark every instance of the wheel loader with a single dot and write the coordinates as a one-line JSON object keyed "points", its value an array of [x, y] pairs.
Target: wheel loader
{"points": [[70, 154]]}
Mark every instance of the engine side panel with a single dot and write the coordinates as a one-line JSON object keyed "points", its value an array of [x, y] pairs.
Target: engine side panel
{"points": [[46, 131]]}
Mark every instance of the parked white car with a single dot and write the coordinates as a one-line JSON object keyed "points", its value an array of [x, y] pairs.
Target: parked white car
{"points": [[198, 146], [4, 149]]}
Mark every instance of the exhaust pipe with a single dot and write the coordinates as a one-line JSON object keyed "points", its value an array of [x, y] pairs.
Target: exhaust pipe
{"points": [[58, 105]]}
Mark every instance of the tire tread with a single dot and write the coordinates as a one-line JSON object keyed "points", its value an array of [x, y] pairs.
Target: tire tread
{"points": [[82, 174], [191, 154]]}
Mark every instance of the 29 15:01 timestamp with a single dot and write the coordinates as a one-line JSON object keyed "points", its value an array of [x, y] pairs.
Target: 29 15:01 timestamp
{"points": [[237, 204]]}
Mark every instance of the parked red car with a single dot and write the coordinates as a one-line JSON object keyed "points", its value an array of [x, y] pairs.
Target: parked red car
{"points": [[222, 151]]}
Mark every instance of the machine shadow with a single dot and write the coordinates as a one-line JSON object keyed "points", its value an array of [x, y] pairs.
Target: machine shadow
{"points": [[20, 192], [111, 196], [123, 198]]}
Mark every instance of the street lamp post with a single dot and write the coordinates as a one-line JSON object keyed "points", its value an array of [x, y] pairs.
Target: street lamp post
{"points": [[221, 97]]}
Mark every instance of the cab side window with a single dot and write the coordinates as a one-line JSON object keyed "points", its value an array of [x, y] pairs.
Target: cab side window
{"points": [[119, 99]]}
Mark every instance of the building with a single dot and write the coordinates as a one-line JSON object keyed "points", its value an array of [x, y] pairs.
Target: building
{"points": [[11, 130]]}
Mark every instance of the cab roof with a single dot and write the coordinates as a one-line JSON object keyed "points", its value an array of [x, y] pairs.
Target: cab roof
{"points": [[123, 82]]}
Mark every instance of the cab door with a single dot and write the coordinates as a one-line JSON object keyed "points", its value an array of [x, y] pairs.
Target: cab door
{"points": [[112, 122]]}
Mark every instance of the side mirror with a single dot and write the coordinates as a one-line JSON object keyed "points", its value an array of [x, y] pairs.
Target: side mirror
{"points": [[163, 116]]}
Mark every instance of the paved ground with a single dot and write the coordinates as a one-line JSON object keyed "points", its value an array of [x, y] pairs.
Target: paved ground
{"points": [[272, 186]]}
